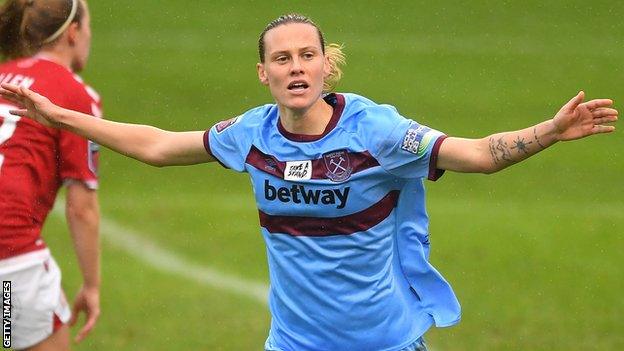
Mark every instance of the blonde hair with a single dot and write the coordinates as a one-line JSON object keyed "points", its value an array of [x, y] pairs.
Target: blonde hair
{"points": [[337, 60], [333, 52]]}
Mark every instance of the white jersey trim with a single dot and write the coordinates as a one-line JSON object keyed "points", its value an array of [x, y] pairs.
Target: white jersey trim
{"points": [[91, 184]]}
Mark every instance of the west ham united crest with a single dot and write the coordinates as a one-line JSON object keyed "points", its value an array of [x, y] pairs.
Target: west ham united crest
{"points": [[338, 165]]}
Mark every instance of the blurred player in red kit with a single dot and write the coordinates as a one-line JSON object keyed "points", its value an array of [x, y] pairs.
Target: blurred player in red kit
{"points": [[45, 42]]}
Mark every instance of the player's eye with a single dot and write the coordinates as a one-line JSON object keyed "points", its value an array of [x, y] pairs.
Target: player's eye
{"points": [[308, 55], [281, 59]]}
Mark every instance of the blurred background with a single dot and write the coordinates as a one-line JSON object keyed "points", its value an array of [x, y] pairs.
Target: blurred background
{"points": [[534, 252]]}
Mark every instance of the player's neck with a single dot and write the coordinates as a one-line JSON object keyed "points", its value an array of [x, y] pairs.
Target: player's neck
{"points": [[312, 121], [56, 55]]}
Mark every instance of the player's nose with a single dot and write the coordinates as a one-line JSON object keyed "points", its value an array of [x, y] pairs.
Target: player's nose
{"points": [[296, 66]]}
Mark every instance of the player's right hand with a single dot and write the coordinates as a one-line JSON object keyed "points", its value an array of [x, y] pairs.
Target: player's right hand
{"points": [[87, 301], [34, 106], [578, 119]]}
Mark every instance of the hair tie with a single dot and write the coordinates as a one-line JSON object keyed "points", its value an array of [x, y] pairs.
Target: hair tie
{"points": [[69, 19]]}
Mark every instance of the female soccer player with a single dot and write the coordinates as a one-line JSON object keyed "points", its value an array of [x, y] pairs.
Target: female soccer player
{"points": [[46, 41], [338, 185]]}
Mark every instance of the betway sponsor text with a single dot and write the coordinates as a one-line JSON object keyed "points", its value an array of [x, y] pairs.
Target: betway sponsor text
{"points": [[299, 194]]}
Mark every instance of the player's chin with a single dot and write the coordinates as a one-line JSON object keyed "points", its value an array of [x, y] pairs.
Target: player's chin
{"points": [[298, 103]]}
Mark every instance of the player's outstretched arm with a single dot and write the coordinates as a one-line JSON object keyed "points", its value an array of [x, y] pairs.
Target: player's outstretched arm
{"points": [[575, 120], [147, 144]]}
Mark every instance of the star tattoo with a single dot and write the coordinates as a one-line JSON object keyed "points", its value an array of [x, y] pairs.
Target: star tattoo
{"points": [[521, 145]]}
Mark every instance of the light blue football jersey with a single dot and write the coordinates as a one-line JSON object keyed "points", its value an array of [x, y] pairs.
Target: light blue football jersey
{"points": [[343, 218]]}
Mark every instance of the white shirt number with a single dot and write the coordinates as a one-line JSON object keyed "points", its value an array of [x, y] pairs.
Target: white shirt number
{"points": [[7, 128]]}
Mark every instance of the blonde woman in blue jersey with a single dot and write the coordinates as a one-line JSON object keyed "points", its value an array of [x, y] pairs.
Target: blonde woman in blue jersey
{"points": [[338, 184]]}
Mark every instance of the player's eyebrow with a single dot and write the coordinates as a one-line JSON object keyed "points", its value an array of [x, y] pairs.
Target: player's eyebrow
{"points": [[286, 52], [308, 48]]}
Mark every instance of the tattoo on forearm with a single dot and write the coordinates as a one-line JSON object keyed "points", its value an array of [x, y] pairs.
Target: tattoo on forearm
{"points": [[500, 150], [536, 139], [521, 145]]}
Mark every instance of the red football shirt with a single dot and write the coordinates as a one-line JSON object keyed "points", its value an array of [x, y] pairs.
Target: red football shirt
{"points": [[36, 160]]}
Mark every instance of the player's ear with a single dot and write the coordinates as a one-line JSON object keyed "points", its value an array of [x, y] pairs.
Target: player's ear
{"points": [[72, 32], [262, 75]]}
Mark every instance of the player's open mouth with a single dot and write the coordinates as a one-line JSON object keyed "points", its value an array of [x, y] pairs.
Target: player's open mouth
{"points": [[298, 85]]}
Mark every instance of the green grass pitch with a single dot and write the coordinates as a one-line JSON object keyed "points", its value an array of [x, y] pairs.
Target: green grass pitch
{"points": [[533, 253]]}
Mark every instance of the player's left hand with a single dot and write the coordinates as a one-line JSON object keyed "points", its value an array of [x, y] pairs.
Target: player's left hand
{"points": [[87, 300], [578, 119], [33, 105]]}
